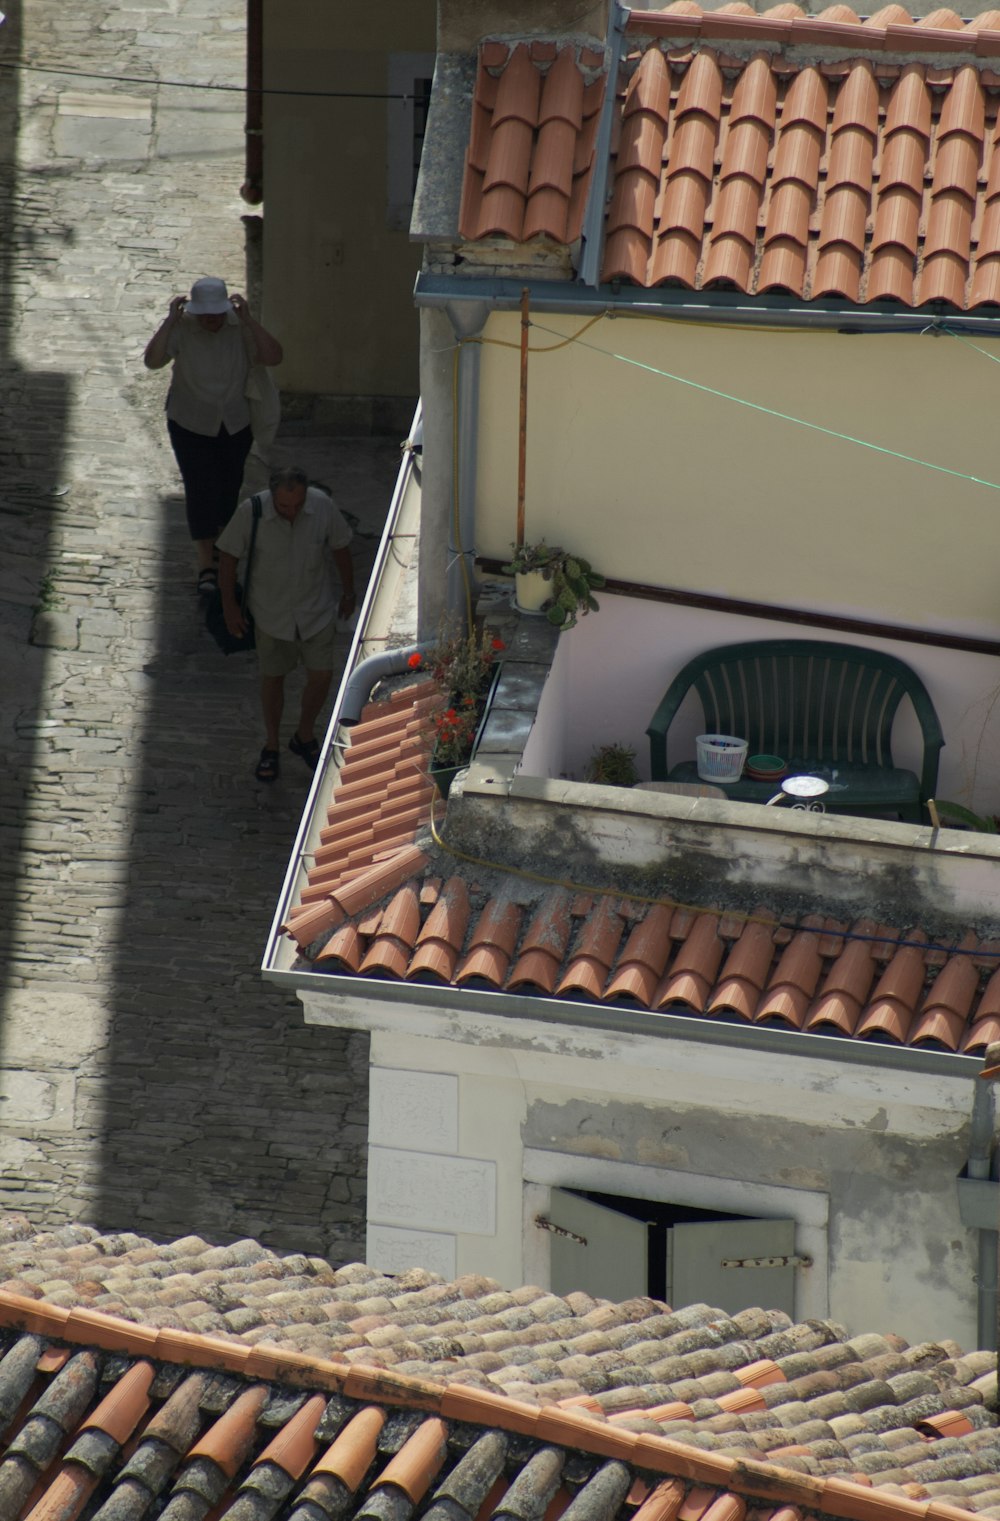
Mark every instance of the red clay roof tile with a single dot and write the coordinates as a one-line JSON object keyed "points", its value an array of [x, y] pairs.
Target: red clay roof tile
{"points": [[228, 1441], [123, 1407], [383, 916], [532, 140], [535, 969], [689, 148], [296, 1444], [663, 1503]]}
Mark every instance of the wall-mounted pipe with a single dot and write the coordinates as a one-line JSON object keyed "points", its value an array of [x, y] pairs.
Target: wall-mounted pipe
{"points": [[982, 1164], [467, 321], [362, 679], [252, 188]]}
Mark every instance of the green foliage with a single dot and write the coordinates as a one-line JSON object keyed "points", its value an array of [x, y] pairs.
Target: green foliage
{"points": [[538, 556], [955, 813], [613, 766], [573, 581], [463, 664], [48, 597], [573, 578]]}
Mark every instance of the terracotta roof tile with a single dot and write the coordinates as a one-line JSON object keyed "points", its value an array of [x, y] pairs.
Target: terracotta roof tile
{"points": [[380, 911], [534, 116], [860, 176]]}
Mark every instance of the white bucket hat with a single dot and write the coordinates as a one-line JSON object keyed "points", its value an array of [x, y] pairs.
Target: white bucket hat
{"points": [[209, 298]]}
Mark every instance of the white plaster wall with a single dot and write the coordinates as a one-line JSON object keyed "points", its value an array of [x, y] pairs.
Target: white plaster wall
{"points": [[660, 483], [338, 290], [611, 671], [873, 1151]]}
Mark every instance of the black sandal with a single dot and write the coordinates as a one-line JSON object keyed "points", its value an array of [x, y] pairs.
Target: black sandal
{"points": [[307, 748], [208, 581], [268, 766]]}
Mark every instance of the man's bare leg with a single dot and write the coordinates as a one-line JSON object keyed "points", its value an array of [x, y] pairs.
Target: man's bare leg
{"points": [[272, 701], [314, 695]]}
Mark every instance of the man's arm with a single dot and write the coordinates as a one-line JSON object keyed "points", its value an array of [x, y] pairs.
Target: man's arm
{"points": [[268, 349], [345, 570], [156, 355]]}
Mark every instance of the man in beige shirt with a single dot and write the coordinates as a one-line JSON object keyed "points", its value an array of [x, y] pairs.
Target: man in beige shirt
{"points": [[302, 539]]}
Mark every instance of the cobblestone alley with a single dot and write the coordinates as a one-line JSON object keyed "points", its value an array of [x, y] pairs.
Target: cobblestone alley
{"points": [[148, 1078]]}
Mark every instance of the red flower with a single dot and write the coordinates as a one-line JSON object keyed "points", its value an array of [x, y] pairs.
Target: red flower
{"points": [[415, 661], [498, 644]]}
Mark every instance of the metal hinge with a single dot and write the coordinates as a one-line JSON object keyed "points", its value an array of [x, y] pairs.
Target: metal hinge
{"points": [[766, 1262], [559, 1230]]}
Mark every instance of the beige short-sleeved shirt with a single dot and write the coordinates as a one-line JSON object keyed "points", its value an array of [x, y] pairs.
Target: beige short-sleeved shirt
{"points": [[293, 593], [208, 385]]}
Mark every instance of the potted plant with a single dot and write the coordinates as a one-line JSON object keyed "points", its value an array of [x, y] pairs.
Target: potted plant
{"points": [[613, 766], [464, 666], [550, 580]]}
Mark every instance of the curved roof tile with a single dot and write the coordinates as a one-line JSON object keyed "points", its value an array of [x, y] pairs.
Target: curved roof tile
{"points": [[691, 121], [391, 917]]}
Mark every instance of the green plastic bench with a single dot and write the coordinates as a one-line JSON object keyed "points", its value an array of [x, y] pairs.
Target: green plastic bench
{"points": [[824, 708]]}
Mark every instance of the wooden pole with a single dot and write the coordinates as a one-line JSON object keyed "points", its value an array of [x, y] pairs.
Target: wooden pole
{"points": [[522, 431]]}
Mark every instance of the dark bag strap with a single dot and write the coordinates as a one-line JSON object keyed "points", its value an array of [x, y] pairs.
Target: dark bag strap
{"points": [[257, 505]]}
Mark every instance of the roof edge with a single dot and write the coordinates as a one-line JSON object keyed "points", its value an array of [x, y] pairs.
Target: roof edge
{"points": [[841, 1498], [498, 293], [617, 1018]]}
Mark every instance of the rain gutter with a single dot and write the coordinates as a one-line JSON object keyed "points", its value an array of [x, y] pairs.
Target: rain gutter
{"points": [[466, 322], [351, 695], [617, 1020], [593, 220], [978, 1196], [252, 189], [730, 307]]}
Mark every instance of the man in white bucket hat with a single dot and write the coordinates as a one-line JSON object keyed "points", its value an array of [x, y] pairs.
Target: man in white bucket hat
{"points": [[213, 341]]}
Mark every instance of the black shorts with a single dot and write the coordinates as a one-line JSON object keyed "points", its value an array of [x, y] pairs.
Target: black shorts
{"points": [[212, 472]]}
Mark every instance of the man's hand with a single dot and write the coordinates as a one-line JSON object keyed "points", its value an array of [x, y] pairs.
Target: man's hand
{"points": [[240, 307], [235, 621], [348, 603], [176, 310]]}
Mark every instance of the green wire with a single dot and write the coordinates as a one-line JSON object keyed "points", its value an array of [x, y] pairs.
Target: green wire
{"points": [[741, 401], [969, 344]]}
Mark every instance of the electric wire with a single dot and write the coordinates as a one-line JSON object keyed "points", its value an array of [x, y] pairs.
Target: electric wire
{"points": [[755, 406], [21, 67]]}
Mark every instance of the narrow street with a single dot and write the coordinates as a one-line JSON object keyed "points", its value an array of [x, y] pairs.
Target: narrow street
{"points": [[149, 1079]]}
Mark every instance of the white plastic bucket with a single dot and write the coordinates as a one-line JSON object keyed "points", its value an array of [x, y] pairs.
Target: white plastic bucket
{"points": [[720, 757]]}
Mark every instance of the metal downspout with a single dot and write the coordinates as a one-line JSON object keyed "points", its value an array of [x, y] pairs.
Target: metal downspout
{"points": [[593, 220], [982, 1164], [252, 189], [466, 322], [365, 674]]}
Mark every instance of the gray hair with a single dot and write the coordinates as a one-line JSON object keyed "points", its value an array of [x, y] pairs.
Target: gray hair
{"points": [[288, 475]]}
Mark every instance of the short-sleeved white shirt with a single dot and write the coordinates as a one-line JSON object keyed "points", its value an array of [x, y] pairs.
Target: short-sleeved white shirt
{"points": [[292, 588], [208, 385]]}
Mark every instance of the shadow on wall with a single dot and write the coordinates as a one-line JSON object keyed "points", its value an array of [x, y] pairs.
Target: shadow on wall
{"points": [[32, 453]]}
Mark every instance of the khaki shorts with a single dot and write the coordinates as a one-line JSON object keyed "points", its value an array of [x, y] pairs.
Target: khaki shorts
{"points": [[276, 657]]}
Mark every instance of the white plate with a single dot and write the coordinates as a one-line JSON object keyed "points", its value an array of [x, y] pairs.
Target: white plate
{"points": [[805, 786]]}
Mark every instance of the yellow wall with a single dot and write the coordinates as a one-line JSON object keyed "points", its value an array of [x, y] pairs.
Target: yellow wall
{"points": [[338, 282], [660, 483]]}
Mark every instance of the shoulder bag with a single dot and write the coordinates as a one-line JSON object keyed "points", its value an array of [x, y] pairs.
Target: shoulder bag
{"points": [[215, 619]]}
